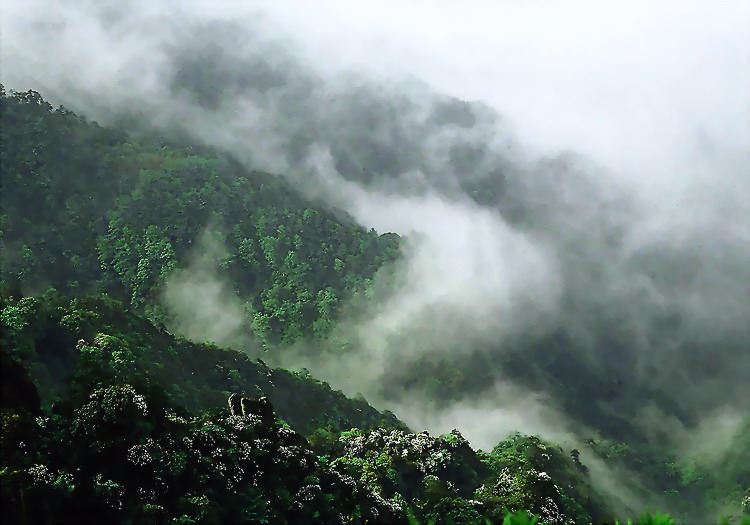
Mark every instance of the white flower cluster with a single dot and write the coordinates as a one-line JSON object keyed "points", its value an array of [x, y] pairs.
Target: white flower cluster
{"points": [[114, 400], [308, 493], [239, 423], [233, 476], [551, 513], [172, 416], [246, 450], [435, 461], [427, 452], [507, 480], [141, 455], [41, 474], [347, 481], [286, 432], [263, 444]]}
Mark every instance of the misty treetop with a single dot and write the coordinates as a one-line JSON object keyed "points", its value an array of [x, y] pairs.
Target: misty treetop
{"points": [[151, 438], [87, 209]]}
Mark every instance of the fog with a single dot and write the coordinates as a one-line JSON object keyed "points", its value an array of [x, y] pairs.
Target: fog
{"points": [[599, 187], [629, 85], [220, 317]]}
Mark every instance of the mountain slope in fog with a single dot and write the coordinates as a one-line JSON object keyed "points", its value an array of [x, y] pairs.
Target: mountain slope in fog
{"points": [[546, 292], [137, 252]]}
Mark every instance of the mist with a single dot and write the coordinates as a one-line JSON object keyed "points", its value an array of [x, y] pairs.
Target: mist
{"points": [[200, 304], [595, 191]]}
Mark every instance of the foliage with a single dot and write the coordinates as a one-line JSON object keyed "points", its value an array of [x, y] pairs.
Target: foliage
{"points": [[87, 208], [521, 517], [94, 341], [95, 225], [135, 459], [652, 519]]}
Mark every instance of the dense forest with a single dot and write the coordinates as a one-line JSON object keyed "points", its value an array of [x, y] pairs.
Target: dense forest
{"points": [[126, 398]]}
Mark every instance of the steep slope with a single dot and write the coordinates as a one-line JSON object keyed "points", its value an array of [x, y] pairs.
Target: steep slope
{"points": [[150, 439], [131, 458], [87, 209], [71, 346]]}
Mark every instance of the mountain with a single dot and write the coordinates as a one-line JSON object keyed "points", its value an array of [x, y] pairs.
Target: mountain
{"points": [[120, 246], [151, 437]]}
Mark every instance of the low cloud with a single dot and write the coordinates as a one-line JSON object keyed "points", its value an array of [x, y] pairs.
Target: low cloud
{"points": [[628, 258], [199, 302]]}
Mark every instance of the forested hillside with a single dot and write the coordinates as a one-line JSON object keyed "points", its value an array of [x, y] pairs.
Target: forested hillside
{"points": [[102, 229], [152, 438], [85, 209]]}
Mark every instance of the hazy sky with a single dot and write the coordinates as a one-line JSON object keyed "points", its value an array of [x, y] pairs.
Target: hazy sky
{"points": [[626, 82], [633, 84]]}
